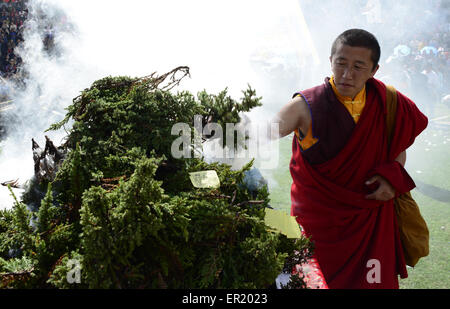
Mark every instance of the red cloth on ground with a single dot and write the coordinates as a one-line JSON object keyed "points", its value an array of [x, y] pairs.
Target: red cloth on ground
{"points": [[329, 199]]}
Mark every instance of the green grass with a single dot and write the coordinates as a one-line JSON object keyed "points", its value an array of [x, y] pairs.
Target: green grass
{"points": [[280, 190], [433, 271], [428, 162]]}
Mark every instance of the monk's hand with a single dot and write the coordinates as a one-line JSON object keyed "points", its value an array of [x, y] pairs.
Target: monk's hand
{"points": [[385, 190]]}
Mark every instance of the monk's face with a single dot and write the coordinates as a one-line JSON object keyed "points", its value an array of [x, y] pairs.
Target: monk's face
{"points": [[351, 67]]}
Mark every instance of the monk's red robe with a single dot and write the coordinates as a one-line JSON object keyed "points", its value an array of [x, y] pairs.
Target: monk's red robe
{"points": [[329, 201]]}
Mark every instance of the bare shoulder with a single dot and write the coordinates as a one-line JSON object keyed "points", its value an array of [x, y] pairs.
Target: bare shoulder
{"points": [[295, 114], [301, 109], [299, 103]]}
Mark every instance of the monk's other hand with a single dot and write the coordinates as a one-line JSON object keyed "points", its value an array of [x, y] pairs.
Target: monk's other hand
{"points": [[384, 192]]}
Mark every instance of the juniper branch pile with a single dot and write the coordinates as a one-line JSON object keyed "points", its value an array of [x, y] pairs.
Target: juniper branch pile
{"points": [[124, 208]]}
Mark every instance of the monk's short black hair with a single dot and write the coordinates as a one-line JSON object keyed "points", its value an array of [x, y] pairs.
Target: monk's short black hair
{"points": [[359, 38]]}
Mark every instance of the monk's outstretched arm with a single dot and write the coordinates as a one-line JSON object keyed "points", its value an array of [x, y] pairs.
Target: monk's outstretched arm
{"points": [[292, 116]]}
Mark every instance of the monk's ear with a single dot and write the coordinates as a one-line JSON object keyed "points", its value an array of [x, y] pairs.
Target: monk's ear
{"points": [[375, 70]]}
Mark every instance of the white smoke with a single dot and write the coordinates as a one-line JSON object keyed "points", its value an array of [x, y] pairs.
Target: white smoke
{"points": [[135, 38]]}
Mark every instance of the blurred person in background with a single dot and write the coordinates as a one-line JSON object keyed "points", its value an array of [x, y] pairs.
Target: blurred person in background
{"points": [[434, 85]]}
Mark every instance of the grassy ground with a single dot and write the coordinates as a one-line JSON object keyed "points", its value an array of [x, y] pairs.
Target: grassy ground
{"points": [[428, 163], [433, 271]]}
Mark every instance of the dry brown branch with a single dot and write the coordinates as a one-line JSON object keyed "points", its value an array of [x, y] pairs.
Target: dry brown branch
{"points": [[154, 81], [249, 202], [6, 278], [234, 197], [110, 184], [12, 183], [50, 273], [115, 179], [214, 195], [222, 196]]}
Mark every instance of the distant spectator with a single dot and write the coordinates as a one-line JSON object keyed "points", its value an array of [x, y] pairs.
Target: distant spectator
{"points": [[419, 88], [434, 82]]}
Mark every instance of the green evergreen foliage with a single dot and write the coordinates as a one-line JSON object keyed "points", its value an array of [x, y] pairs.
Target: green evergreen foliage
{"points": [[126, 210]]}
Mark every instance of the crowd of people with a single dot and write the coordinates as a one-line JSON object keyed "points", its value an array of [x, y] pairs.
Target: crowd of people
{"points": [[421, 63], [13, 14], [416, 51]]}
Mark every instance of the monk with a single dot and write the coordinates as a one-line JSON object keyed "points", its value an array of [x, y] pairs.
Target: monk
{"points": [[345, 175]]}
